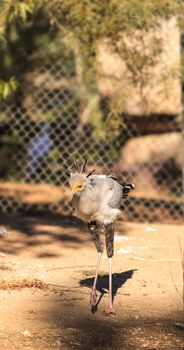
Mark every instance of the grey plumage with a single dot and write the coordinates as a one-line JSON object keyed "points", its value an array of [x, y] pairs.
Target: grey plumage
{"points": [[96, 199]]}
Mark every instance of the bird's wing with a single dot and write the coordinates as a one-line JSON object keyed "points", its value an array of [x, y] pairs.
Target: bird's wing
{"points": [[113, 192], [111, 186], [106, 190]]}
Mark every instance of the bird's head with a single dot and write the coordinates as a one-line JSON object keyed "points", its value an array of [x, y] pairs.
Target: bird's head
{"points": [[78, 176], [77, 182]]}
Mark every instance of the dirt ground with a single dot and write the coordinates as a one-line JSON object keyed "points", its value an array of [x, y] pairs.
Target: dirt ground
{"points": [[47, 269]]}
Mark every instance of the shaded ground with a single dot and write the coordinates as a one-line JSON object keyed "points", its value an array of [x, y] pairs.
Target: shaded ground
{"points": [[47, 269]]}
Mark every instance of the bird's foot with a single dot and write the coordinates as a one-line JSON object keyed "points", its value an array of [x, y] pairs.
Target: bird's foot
{"points": [[93, 297], [110, 311]]}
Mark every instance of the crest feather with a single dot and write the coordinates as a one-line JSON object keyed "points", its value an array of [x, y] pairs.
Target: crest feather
{"points": [[77, 166]]}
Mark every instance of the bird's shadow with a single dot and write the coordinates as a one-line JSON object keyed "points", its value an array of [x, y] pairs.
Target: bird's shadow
{"points": [[118, 280]]}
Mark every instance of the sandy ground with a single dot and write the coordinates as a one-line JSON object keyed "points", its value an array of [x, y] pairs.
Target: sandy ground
{"points": [[47, 269]]}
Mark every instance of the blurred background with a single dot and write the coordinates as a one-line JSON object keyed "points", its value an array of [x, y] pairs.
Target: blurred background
{"points": [[100, 80]]}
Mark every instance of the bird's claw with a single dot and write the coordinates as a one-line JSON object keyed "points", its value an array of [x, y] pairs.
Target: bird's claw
{"points": [[93, 297], [109, 311]]}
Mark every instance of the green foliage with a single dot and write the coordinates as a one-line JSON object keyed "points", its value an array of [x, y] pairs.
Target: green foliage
{"points": [[20, 10], [67, 33], [91, 21], [7, 88], [10, 11], [77, 27]]}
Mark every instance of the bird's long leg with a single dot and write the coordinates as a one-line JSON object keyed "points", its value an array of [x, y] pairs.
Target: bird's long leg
{"points": [[110, 309], [109, 234], [94, 230], [93, 295]]}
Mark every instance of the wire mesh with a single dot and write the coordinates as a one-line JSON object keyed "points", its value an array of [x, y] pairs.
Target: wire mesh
{"points": [[43, 123]]}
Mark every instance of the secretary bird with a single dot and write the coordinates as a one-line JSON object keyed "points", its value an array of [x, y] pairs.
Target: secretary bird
{"points": [[96, 200]]}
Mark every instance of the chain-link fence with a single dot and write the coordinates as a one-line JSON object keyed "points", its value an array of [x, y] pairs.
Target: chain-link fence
{"points": [[52, 119]]}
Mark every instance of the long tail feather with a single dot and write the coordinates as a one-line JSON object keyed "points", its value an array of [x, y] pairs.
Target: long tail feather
{"points": [[127, 188]]}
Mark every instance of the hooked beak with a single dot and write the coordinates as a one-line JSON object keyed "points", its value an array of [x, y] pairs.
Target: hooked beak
{"points": [[77, 187]]}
